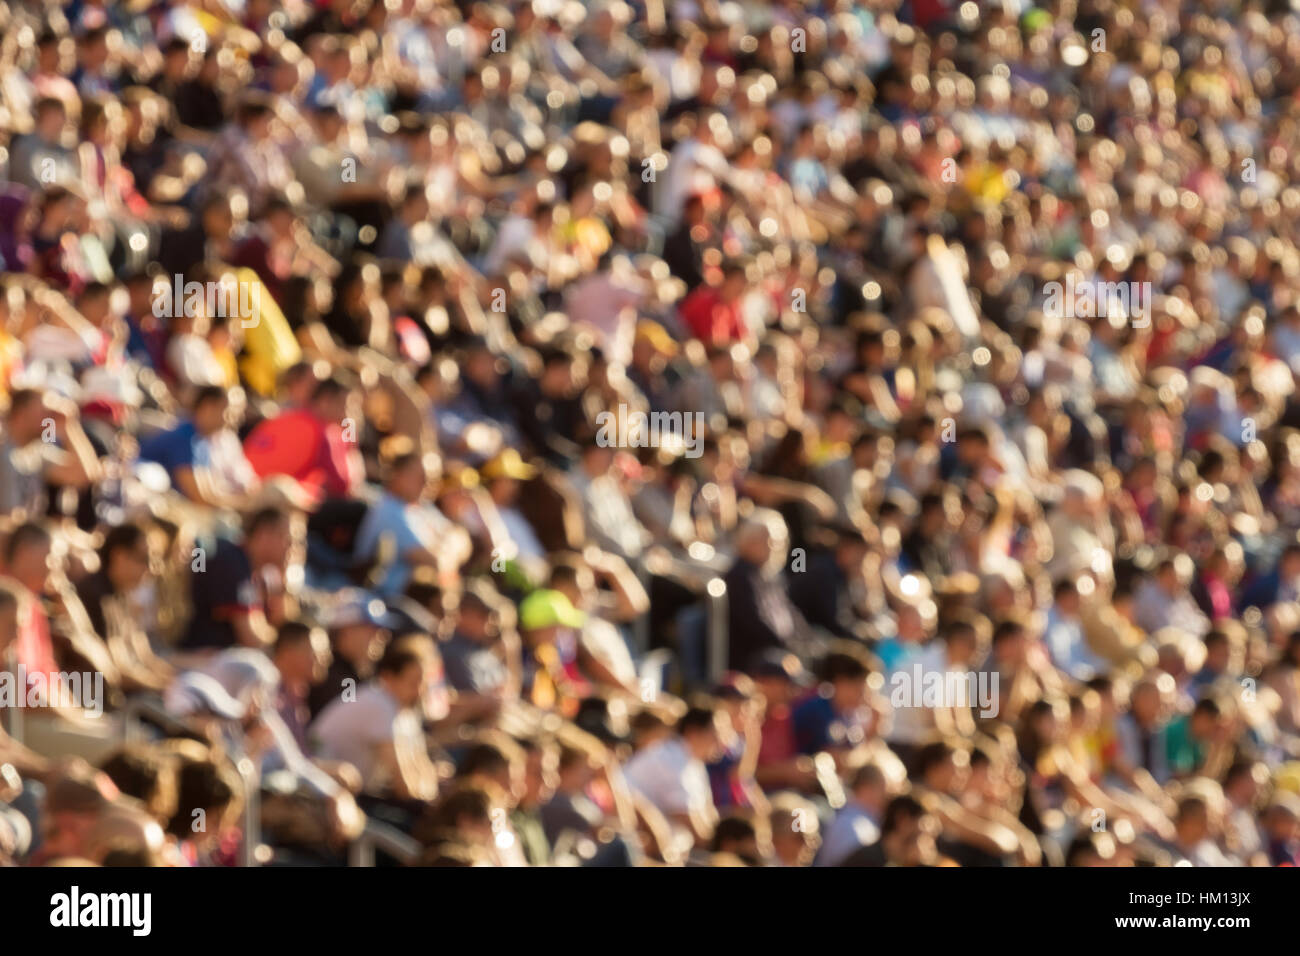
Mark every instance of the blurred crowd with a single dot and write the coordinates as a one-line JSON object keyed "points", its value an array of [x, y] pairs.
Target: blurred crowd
{"points": [[310, 316]]}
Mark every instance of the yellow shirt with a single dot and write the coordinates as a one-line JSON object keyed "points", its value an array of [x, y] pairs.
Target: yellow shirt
{"points": [[269, 344]]}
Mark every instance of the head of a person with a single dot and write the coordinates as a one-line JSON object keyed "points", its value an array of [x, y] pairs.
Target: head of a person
{"points": [[356, 634], [755, 542], [544, 613], [464, 813], [1090, 849], [74, 803], [480, 365], [301, 654], [25, 419], [498, 760], [402, 674], [1167, 576], [147, 774], [1240, 783], [777, 679], [1205, 719], [557, 373], [209, 409], [575, 769], [1066, 596], [936, 766], [50, 117], [1192, 820], [1009, 641], [961, 640], [1282, 818], [736, 836], [845, 675], [574, 580], [406, 477], [209, 793], [907, 832], [93, 303], [541, 770], [255, 116], [124, 556], [934, 514], [795, 830], [217, 217], [329, 400], [911, 622], [1218, 652], [698, 730], [973, 446], [27, 556], [1145, 702], [597, 457], [297, 384], [733, 282], [870, 788], [268, 537]]}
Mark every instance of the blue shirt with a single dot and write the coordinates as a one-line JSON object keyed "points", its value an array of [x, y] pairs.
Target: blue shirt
{"points": [[391, 519], [179, 448], [852, 828], [818, 725]]}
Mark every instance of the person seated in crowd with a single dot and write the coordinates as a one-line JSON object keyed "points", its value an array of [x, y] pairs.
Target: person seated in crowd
{"points": [[238, 590], [203, 456], [377, 729], [42, 445], [315, 444], [409, 531], [672, 775]]}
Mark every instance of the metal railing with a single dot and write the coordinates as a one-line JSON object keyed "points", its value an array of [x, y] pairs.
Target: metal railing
{"points": [[132, 731], [716, 592]]}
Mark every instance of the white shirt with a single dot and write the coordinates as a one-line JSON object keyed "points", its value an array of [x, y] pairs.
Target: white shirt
{"points": [[354, 730], [852, 828], [668, 776]]}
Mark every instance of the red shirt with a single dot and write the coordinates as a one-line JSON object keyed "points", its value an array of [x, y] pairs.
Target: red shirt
{"points": [[778, 741], [32, 647], [711, 320], [302, 446]]}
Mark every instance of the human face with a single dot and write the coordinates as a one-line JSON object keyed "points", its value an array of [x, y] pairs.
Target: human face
{"points": [[850, 694], [297, 664], [408, 484], [210, 417], [130, 566], [32, 565], [271, 544], [408, 686], [777, 691], [704, 744], [357, 642]]}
